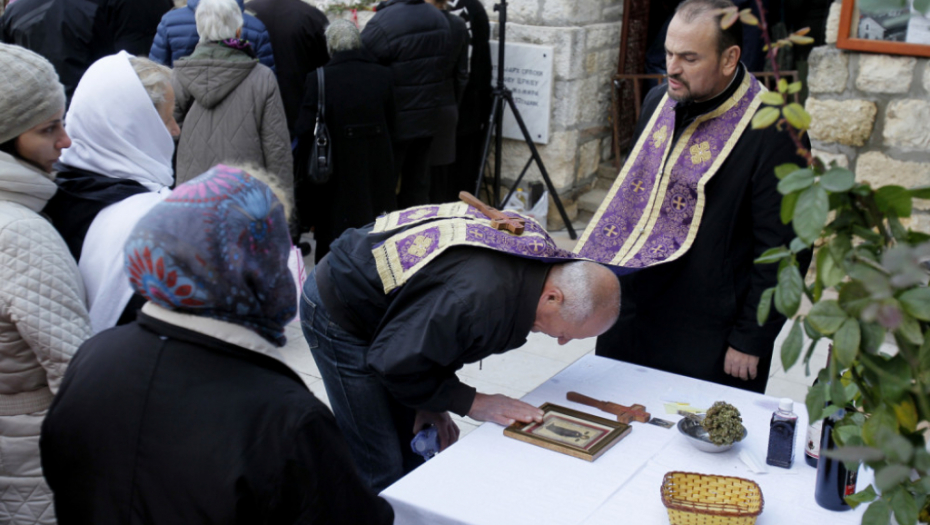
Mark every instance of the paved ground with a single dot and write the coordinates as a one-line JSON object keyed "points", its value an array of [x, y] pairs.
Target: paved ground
{"points": [[519, 371]]}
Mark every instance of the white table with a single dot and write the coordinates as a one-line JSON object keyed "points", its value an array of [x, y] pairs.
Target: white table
{"points": [[488, 478]]}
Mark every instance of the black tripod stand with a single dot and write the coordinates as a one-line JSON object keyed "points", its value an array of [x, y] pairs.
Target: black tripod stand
{"points": [[502, 94]]}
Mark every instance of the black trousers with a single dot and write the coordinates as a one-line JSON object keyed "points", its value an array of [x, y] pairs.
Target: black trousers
{"points": [[411, 162]]}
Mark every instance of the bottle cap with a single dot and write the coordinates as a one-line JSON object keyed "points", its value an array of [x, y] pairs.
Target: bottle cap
{"points": [[786, 404]]}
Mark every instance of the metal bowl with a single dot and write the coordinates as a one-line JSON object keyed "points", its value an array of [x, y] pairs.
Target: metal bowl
{"points": [[697, 436]]}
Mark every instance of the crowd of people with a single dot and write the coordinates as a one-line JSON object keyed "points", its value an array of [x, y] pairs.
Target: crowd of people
{"points": [[148, 267], [162, 221]]}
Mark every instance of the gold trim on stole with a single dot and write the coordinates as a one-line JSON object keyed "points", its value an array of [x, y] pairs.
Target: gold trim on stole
{"points": [[452, 232], [448, 210], [624, 173], [705, 178]]}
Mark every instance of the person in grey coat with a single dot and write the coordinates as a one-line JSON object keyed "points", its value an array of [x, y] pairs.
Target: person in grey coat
{"points": [[227, 103]]}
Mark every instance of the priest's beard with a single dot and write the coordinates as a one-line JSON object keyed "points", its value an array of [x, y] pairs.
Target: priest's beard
{"points": [[683, 99]]}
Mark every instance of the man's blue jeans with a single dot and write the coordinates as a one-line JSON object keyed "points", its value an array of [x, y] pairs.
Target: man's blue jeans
{"points": [[376, 427]]}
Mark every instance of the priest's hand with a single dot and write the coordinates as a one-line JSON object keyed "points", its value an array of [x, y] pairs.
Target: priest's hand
{"points": [[503, 410], [738, 364], [446, 428]]}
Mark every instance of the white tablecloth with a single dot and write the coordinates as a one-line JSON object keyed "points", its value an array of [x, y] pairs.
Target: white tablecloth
{"points": [[488, 478]]}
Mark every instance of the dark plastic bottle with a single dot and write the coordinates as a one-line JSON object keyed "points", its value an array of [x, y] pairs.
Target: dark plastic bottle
{"points": [[834, 480], [781, 435]]}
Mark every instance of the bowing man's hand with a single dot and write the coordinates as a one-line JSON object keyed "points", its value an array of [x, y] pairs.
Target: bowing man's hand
{"points": [[503, 410], [738, 364], [446, 428]]}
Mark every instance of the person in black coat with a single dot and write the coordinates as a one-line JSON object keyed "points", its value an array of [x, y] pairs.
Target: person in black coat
{"points": [[296, 32], [202, 421], [475, 107], [412, 38], [360, 117], [455, 72], [74, 35]]}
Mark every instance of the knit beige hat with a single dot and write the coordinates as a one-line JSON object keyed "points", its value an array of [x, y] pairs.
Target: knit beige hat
{"points": [[30, 92]]}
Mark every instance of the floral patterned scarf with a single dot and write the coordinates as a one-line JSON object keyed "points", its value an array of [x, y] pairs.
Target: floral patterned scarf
{"points": [[217, 247]]}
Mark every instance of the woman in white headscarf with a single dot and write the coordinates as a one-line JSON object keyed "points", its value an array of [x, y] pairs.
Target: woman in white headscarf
{"points": [[122, 126], [43, 319]]}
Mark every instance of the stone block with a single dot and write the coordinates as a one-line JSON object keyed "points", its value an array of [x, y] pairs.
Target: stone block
{"points": [[878, 169], [841, 160], [613, 13], [847, 122], [927, 78], [570, 12], [518, 12], [568, 43], [833, 22], [607, 148], [554, 218], [592, 97], [918, 221], [907, 125], [589, 159], [885, 74], [604, 35], [566, 103], [558, 156], [829, 70]]}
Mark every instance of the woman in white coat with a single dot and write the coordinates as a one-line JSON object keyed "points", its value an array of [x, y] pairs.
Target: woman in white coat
{"points": [[43, 318]]}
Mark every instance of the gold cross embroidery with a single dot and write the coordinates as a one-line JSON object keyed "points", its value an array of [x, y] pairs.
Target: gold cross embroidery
{"points": [[419, 246], [536, 245], [637, 186], [658, 138], [478, 234], [611, 231], [700, 152], [657, 249], [419, 214], [678, 202]]}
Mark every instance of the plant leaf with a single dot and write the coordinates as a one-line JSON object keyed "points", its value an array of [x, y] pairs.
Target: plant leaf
{"points": [[765, 306], [904, 506], [838, 180], [827, 270], [873, 335], [910, 330], [783, 170], [916, 302], [894, 199], [795, 87], [797, 245], [815, 400], [748, 18], [773, 255], [846, 342], [826, 316], [788, 203], [772, 98], [906, 413], [878, 513], [810, 213], [788, 291], [800, 40], [918, 192], [863, 496], [855, 454], [782, 85], [730, 16], [891, 476], [881, 420], [795, 113], [791, 348], [765, 117]]}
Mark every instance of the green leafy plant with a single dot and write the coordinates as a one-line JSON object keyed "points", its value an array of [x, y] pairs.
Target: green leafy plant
{"points": [[870, 284]]}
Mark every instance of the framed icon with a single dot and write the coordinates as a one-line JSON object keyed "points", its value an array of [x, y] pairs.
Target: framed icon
{"points": [[903, 31], [571, 432]]}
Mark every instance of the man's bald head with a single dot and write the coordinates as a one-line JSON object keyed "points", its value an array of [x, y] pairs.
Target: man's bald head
{"points": [[580, 299]]}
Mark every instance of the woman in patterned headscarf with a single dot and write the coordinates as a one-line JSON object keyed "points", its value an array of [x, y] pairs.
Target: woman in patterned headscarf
{"points": [[190, 414]]}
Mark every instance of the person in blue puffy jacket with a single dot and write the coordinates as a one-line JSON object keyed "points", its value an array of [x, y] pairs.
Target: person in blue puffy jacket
{"points": [[177, 36]]}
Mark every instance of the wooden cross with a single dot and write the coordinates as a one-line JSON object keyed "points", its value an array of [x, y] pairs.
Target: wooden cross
{"points": [[499, 220], [624, 414]]}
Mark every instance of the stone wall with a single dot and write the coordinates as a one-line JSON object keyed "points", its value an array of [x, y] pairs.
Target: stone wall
{"points": [[871, 113], [585, 35]]}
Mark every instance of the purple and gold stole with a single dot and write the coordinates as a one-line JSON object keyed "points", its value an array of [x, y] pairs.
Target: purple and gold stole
{"points": [[654, 208], [432, 229]]}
